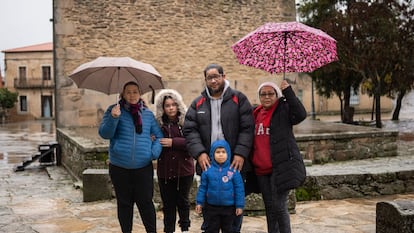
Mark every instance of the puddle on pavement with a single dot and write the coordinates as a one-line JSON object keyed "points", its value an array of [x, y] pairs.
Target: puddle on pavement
{"points": [[15, 158], [63, 225], [37, 207], [20, 141]]}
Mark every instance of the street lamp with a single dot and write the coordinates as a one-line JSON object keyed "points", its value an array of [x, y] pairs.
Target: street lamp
{"points": [[313, 115]]}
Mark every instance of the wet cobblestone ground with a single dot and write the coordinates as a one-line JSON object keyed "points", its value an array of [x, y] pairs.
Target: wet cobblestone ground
{"points": [[44, 199]]}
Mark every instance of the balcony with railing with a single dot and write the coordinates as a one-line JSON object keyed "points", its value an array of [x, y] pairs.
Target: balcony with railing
{"points": [[33, 83]]}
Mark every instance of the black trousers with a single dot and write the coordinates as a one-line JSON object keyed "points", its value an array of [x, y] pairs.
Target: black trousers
{"points": [[175, 198], [277, 214], [219, 218], [134, 186]]}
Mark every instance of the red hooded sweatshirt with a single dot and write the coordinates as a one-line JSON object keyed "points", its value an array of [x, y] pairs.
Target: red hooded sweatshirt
{"points": [[261, 152]]}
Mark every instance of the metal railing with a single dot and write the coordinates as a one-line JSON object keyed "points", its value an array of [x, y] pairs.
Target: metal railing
{"points": [[33, 83]]}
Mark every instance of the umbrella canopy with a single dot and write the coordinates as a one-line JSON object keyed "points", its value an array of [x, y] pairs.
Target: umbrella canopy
{"points": [[110, 74], [286, 47]]}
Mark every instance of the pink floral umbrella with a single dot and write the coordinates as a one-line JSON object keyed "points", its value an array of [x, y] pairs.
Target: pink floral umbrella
{"points": [[286, 47]]}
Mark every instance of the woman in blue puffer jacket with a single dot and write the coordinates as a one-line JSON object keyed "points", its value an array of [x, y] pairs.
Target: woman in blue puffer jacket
{"points": [[134, 142]]}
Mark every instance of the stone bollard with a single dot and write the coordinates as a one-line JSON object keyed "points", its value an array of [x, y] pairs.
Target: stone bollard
{"points": [[97, 185], [395, 216]]}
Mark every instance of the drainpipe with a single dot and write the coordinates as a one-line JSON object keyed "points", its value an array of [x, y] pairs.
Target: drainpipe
{"points": [[54, 67]]}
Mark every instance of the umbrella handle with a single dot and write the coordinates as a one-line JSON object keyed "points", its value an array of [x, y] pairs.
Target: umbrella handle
{"points": [[284, 54], [117, 99], [153, 94]]}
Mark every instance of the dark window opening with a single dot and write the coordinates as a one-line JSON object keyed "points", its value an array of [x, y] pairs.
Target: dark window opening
{"points": [[46, 73], [23, 103], [22, 72]]}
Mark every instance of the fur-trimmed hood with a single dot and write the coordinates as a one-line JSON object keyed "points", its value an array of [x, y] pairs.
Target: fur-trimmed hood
{"points": [[182, 108]]}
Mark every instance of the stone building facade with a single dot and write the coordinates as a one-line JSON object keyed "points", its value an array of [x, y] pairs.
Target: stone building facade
{"points": [[29, 72], [178, 37]]}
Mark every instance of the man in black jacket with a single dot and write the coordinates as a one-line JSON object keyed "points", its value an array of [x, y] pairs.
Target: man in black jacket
{"points": [[220, 112]]}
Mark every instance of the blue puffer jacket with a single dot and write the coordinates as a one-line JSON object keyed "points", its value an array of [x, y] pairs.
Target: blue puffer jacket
{"points": [[127, 149], [221, 185]]}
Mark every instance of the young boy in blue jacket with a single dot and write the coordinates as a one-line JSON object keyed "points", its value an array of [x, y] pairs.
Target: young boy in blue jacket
{"points": [[221, 191]]}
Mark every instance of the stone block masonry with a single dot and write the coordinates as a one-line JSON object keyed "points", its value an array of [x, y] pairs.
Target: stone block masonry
{"points": [[359, 184], [179, 38], [324, 142], [97, 185], [395, 216], [85, 157], [82, 148]]}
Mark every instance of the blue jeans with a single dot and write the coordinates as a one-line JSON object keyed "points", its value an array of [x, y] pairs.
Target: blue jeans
{"points": [[174, 195], [277, 214]]}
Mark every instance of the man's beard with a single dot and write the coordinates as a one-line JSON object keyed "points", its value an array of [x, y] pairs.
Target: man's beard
{"points": [[218, 91]]}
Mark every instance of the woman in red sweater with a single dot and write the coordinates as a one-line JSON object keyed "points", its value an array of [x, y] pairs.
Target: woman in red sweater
{"points": [[277, 161]]}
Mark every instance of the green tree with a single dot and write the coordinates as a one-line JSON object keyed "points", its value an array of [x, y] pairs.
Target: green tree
{"points": [[403, 76], [335, 78], [376, 33], [7, 98], [374, 43]]}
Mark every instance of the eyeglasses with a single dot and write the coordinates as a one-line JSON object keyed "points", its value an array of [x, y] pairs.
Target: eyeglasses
{"points": [[264, 95], [212, 77]]}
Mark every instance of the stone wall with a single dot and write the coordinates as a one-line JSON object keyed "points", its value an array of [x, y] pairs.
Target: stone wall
{"points": [[329, 147], [178, 37], [321, 148], [82, 148], [328, 187]]}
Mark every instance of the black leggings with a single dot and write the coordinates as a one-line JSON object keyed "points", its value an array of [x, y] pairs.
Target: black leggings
{"points": [[134, 186], [175, 198]]}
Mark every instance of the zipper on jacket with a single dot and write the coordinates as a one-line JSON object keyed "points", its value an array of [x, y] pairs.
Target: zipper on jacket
{"points": [[133, 146], [166, 172]]}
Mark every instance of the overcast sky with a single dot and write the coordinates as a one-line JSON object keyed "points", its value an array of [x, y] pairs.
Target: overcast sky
{"points": [[24, 23]]}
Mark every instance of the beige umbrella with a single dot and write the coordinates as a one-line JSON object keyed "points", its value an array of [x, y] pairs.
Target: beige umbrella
{"points": [[109, 75]]}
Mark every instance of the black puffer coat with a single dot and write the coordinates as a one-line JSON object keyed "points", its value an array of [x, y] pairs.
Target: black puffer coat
{"points": [[288, 168], [236, 120]]}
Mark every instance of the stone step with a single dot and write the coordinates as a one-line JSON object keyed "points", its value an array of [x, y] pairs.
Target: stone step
{"points": [[320, 142], [359, 178], [348, 179]]}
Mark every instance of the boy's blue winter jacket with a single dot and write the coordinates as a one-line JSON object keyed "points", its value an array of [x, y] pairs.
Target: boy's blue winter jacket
{"points": [[128, 149], [220, 185]]}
